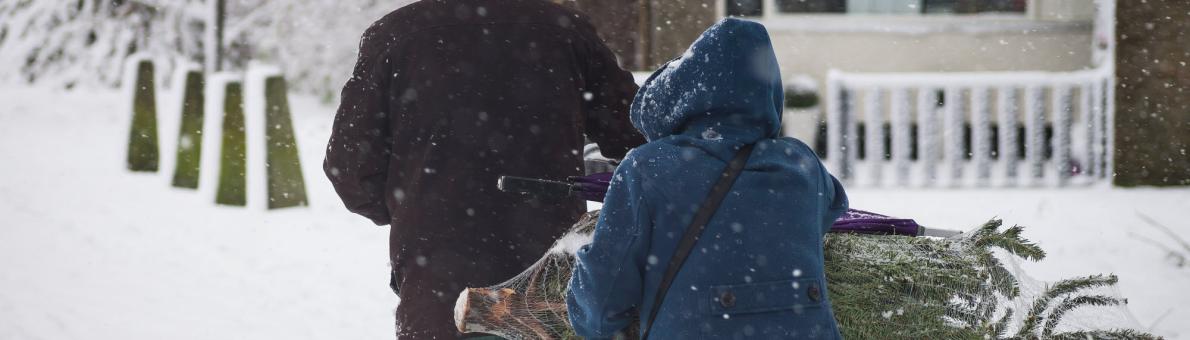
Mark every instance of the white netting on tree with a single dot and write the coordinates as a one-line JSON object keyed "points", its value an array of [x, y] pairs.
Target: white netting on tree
{"points": [[888, 287]]}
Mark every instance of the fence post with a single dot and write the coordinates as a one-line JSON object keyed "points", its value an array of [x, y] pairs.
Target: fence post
{"points": [[1034, 132], [874, 136], [1007, 109], [1097, 127], [836, 110], [189, 154], [953, 134], [143, 152], [1109, 125], [233, 165], [901, 133], [287, 188], [927, 136], [981, 140], [1085, 103], [1062, 108]]}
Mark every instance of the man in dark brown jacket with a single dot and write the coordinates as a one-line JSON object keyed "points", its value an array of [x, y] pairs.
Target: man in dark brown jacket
{"points": [[447, 96]]}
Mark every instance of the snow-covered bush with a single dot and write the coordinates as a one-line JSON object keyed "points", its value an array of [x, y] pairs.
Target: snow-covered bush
{"points": [[801, 91], [85, 42]]}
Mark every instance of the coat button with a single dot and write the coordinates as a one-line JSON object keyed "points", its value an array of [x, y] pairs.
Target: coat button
{"points": [[727, 299], [814, 292]]}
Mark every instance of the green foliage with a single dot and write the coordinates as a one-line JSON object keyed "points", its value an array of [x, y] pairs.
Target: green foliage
{"points": [[914, 288], [142, 139], [287, 188], [232, 156], [891, 287], [1114, 334], [800, 99], [881, 287], [189, 152]]}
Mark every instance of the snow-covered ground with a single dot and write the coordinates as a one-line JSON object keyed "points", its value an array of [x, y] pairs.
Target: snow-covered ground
{"points": [[90, 251]]}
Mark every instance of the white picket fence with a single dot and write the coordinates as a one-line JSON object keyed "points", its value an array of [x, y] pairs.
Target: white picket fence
{"points": [[915, 128]]}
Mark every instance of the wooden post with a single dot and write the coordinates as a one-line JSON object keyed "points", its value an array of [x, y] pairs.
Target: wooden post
{"points": [[1062, 108], [901, 134], [143, 152], [233, 154], [927, 135], [1035, 132], [189, 153], [1098, 131], [1152, 108], [981, 139], [874, 136], [952, 132], [287, 188], [1007, 109]]}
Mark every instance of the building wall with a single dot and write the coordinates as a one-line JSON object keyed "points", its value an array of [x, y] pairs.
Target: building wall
{"points": [[812, 48], [674, 26], [618, 23]]}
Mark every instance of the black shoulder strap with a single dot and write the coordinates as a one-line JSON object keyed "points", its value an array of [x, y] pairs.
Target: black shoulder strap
{"points": [[697, 226]]}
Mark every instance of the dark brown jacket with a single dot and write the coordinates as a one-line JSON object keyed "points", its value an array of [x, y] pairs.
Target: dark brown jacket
{"points": [[447, 96]]}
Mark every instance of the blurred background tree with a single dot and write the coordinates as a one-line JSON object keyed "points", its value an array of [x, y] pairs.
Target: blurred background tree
{"points": [[70, 43]]}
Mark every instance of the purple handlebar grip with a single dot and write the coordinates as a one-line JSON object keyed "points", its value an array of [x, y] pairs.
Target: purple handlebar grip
{"points": [[594, 188]]}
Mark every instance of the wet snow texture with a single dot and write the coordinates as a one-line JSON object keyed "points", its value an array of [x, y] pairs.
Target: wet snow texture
{"points": [[90, 251]]}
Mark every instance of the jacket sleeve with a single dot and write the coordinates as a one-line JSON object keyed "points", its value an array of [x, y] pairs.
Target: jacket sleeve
{"points": [[607, 95], [605, 287], [834, 197], [359, 148]]}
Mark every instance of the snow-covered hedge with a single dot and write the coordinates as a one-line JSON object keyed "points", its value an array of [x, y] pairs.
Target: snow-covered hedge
{"points": [[72, 43]]}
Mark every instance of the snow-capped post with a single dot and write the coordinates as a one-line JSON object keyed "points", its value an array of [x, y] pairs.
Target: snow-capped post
{"points": [[1062, 107], [952, 121], [286, 186], [927, 135], [143, 152], [1034, 132], [1007, 110], [981, 139], [188, 165], [901, 133], [874, 134], [233, 165]]}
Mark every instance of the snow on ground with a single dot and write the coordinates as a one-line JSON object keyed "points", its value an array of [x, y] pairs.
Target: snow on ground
{"points": [[90, 251]]}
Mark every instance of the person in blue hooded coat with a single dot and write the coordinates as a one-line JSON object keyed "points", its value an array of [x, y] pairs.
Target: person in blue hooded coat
{"points": [[757, 271]]}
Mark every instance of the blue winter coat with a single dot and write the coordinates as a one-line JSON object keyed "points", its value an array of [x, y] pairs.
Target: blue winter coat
{"points": [[757, 272]]}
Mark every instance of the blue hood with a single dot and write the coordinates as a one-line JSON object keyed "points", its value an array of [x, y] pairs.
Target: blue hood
{"points": [[728, 82]]}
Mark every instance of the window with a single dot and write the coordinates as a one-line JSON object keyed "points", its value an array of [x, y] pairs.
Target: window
{"points": [[812, 6], [973, 6], [745, 8], [755, 8]]}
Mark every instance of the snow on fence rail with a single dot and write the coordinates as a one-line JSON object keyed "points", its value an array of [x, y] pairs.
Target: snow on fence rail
{"points": [[970, 129]]}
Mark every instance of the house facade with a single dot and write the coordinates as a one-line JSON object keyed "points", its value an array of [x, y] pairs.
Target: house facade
{"points": [[961, 83]]}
